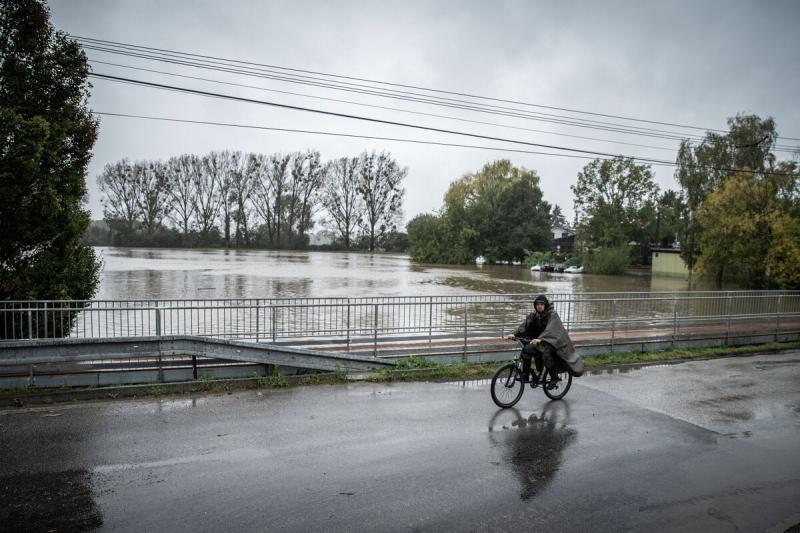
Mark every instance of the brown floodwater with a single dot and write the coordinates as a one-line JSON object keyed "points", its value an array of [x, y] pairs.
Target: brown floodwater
{"points": [[156, 273]]}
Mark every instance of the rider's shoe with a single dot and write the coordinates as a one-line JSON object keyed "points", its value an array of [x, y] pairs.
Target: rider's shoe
{"points": [[553, 383]]}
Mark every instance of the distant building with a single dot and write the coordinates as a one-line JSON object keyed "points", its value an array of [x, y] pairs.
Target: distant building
{"points": [[668, 262], [563, 238]]}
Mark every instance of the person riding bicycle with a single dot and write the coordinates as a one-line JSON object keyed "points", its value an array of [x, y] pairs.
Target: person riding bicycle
{"points": [[550, 343]]}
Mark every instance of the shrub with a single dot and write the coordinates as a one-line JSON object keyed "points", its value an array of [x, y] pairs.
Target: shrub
{"points": [[610, 261]]}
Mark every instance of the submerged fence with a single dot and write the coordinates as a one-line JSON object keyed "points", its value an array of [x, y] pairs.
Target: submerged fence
{"points": [[381, 319]]}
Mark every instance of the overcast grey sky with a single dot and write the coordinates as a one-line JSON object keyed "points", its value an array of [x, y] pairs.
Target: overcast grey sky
{"points": [[692, 62]]}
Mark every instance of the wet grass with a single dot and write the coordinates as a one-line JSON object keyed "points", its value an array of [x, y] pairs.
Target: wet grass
{"points": [[412, 368], [421, 369]]}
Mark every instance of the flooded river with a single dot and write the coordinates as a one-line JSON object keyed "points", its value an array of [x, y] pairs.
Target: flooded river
{"points": [[147, 273]]}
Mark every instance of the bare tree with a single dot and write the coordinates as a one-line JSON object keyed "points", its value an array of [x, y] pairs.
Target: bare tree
{"points": [[207, 195], [181, 177], [241, 191], [269, 188], [341, 198], [303, 192], [119, 203], [380, 187], [224, 165], [150, 187]]}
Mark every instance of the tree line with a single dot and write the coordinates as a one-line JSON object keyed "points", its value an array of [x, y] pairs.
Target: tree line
{"points": [[735, 216], [236, 199]]}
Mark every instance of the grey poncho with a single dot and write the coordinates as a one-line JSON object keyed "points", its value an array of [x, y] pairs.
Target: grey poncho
{"points": [[556, 336]]}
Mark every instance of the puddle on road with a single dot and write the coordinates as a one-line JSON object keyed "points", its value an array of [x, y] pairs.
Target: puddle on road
{"points": [[532, 445], [48, 501]]}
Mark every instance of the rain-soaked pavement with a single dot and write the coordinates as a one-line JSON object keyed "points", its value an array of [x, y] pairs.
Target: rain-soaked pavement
{"points": [[700, 446]]}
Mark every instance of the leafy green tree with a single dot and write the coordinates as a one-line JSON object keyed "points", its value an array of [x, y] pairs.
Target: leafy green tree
{"points": [[704, 166], [497, 213], [614, 201], [46, 136], [748, 234], [671, 211], [557, 217]]}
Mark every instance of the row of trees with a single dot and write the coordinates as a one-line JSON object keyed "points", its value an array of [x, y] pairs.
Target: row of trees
{"points": [[497, 213], [247, 199], [736, 216]]}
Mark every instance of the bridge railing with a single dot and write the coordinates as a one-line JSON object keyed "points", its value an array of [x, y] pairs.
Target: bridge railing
{"points": [[381, 319]]}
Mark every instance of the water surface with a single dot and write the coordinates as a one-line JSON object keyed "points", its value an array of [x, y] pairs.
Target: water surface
{"points": [[153, 273]]}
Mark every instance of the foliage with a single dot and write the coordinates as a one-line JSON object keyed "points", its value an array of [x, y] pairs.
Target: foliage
{"points": [[496, 213], [671, 212], [610, 261], [557, 217], [614, 202], [537, 258], [705, 166], [783, 258], [431, 239], [46, 136], [748, 235]]}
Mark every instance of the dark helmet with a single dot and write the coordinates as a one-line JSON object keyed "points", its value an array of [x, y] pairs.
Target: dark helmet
{"points": [[542, 298]]}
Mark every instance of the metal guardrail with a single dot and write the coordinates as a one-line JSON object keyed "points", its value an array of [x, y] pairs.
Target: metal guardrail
{"points": [[126, 339], [359, 320]]}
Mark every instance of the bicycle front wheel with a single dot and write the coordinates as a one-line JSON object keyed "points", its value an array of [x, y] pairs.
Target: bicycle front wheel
{"points": [[507, 386]]}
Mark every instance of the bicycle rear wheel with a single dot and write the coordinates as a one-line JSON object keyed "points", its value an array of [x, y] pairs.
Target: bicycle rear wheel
{"points": [[559, 389], [507, 386]]}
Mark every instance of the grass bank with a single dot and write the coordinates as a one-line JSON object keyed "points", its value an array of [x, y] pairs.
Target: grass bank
{"points": [[421, 369]]}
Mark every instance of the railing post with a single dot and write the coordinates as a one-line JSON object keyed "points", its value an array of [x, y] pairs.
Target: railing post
{"points": [[274, 317], [258, 318], [30, 323], [348, 324], [728, 320], [613, 322], [569, 312], [430, 319], [674, 320], [45, 320], [464, 355], [375, 330], [778, 318]]}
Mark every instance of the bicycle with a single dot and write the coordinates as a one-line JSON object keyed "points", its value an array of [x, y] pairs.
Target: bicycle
{"points": [[507, 385]]}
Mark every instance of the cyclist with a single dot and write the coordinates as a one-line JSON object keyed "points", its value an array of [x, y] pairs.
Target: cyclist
{"points": [[550, 343]]}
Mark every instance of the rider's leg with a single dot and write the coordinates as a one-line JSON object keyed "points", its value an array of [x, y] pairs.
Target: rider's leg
{"points": [[527, 353], [551, 361]]}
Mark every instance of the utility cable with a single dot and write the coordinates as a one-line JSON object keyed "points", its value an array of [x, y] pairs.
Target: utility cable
{"points": [[455, 93]]}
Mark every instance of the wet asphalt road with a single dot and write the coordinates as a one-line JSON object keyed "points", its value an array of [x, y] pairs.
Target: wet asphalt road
{"points": [[701, 446]]}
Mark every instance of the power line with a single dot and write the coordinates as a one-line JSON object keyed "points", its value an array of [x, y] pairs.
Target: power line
{"points": [[469, 105], [362, 104], [339, 134], [404, 95], [353, 117], [403, 140], [455, 93]]}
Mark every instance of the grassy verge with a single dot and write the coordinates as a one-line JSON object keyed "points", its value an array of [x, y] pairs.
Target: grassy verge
{"points": [[420, 369], [409, 369]]}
